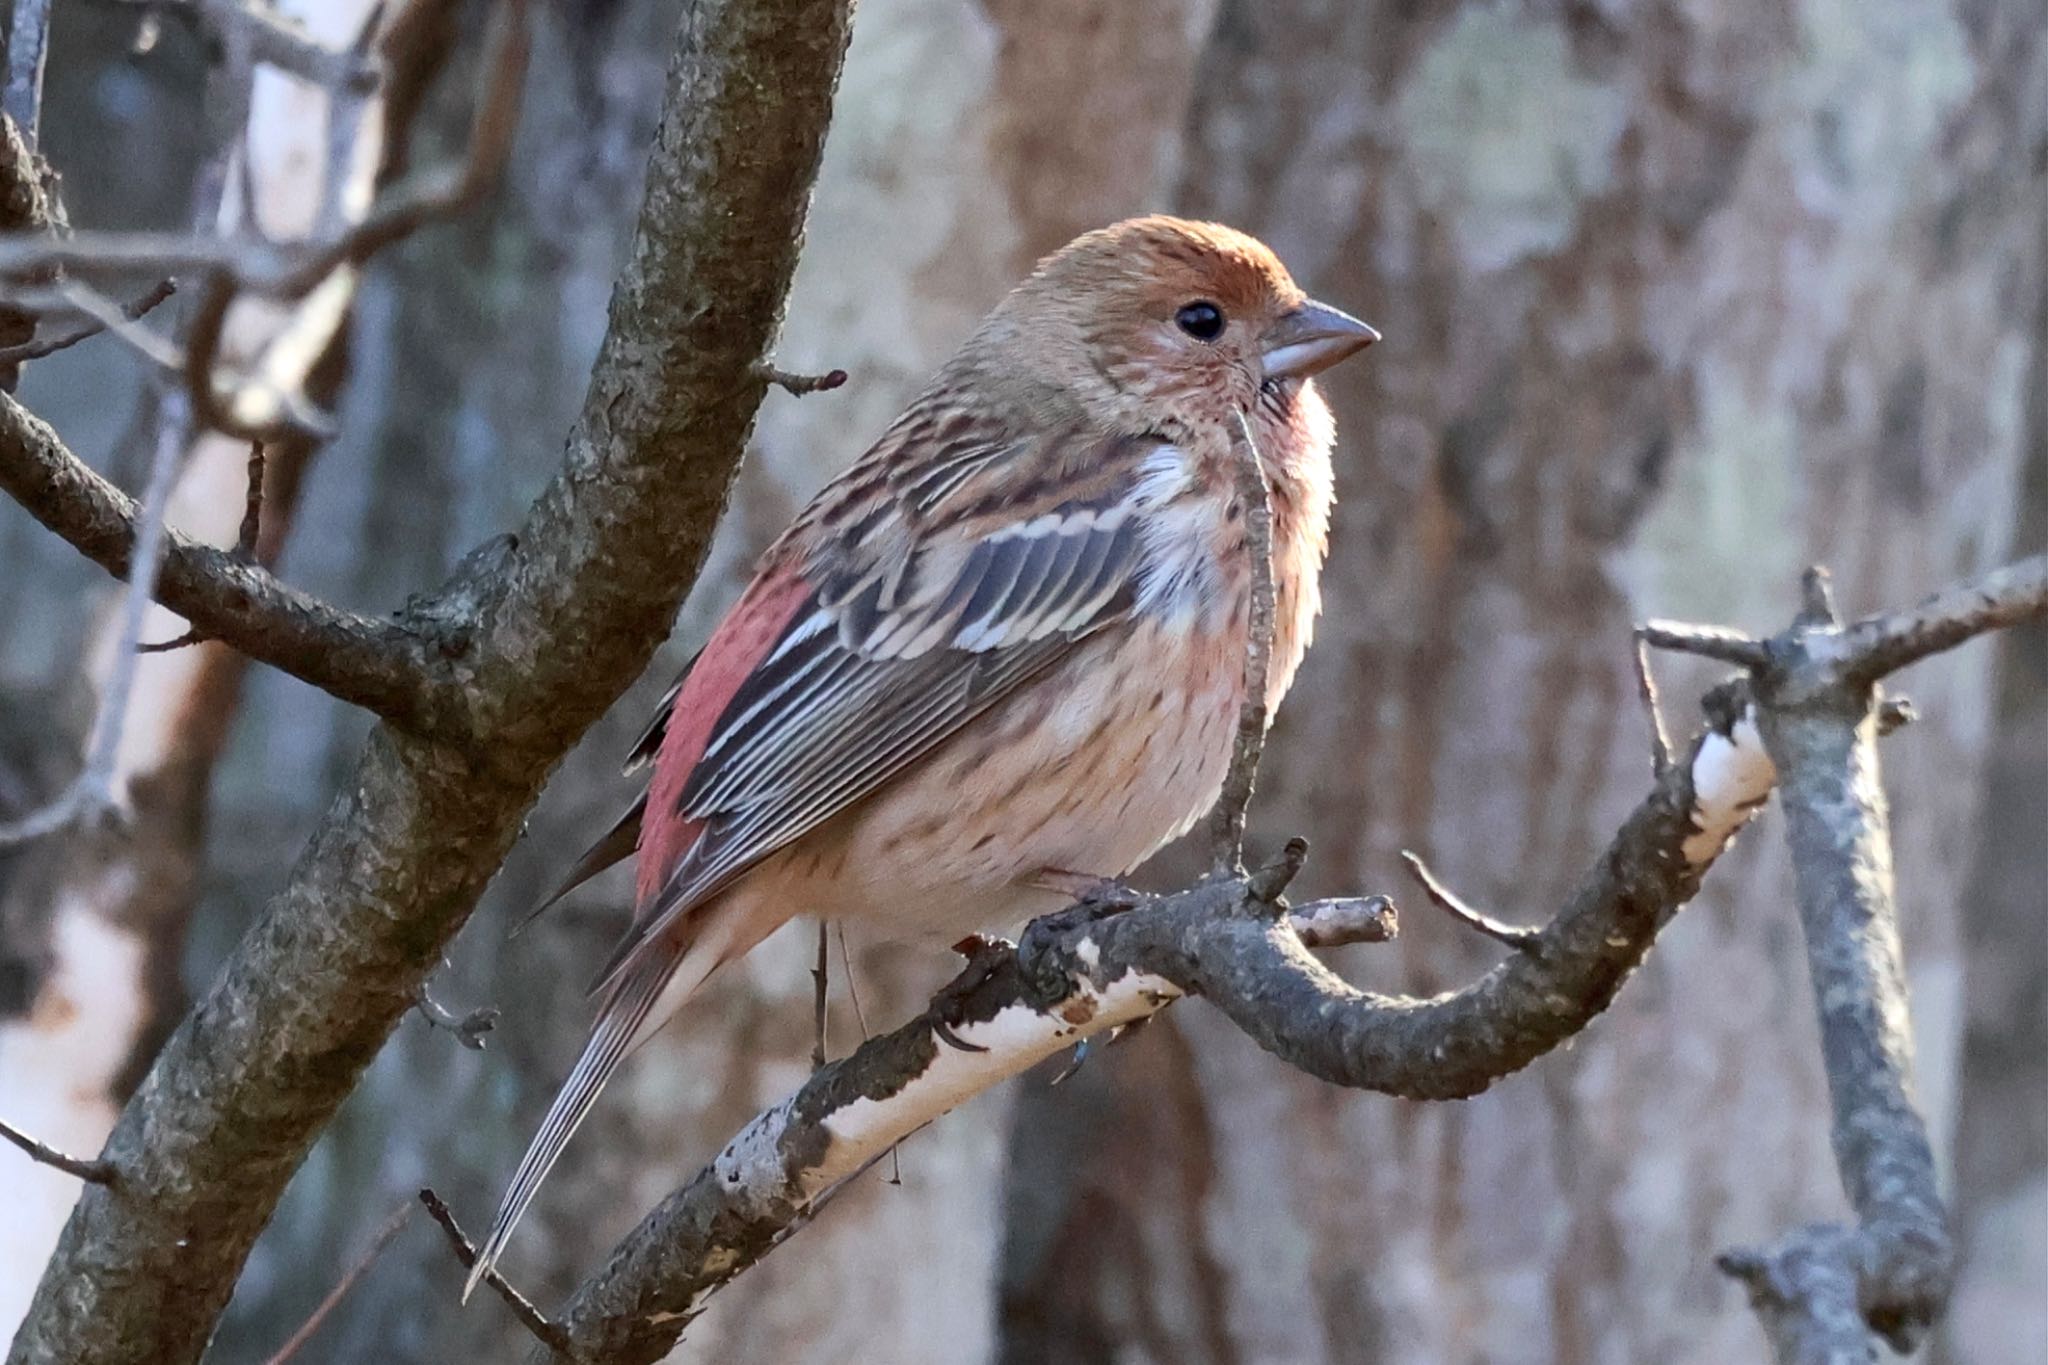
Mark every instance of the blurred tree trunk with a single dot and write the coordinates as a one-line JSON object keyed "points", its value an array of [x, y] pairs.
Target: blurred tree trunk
{"points": [[2001, 1314], [1678, 298]]}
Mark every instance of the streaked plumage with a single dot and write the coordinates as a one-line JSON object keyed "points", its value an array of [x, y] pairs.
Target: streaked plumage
{"points": [[1009, 638]]}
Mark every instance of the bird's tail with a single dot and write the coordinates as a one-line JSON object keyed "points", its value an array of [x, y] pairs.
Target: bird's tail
{"points": [[627, 1017]]}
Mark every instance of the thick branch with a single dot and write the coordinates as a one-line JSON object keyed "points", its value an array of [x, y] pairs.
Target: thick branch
{"points": [[1823, 1290], [380, 665], [2005, 597], [1100, 966], [550, 628], [1840, 834]]}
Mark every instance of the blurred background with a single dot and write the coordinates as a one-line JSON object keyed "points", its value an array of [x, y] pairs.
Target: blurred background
{"points": [[1678, 295]]}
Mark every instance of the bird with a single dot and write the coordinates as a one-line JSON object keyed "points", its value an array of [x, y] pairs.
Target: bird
{"points": [[1005, 646]]}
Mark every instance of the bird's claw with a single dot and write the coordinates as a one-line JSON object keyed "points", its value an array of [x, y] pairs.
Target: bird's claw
{"points": [[985, 957], [1106, 894]]}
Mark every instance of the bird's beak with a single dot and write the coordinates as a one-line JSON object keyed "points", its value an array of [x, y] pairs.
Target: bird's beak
{"points": [[1311, 337]]}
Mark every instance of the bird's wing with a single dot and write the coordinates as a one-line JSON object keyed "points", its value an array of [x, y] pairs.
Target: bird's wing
{"points": [[932, 587]]}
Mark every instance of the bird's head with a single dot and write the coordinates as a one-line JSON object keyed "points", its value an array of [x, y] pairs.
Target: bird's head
{"points": [[1162, 315]]}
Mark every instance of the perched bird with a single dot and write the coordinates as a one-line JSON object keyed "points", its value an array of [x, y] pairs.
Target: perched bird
{"points": [[1009, 640]]}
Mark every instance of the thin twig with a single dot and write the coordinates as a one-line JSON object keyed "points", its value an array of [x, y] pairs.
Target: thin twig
{"points": [[95, 1171], [272, 39], [251, 528], [1344, 920], [799, 384], [292, 272], [1646, 690], [1708, 642], [134, 310], [113, 317], [535, 1321], [470, 1028], [244, 551], [185, 639], [1816, 600], [860, 1017], [1514, 936], [385, 1236], [1227, 820]]}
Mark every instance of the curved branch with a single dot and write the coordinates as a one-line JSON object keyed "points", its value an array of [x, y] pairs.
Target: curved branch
{"points": [[1099, 966]]}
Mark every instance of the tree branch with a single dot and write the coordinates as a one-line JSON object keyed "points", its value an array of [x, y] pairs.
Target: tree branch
{"points": [[296, 1342], [93, 1172], [1101, 966], [1823, 1290], [134, 310], [94, 789], [550, 624], [1110, 962], [390, 669], [530, 1317], [28, 47]]}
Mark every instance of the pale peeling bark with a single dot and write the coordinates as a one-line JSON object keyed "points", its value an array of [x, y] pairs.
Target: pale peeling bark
{"points": [[1677, 299]]}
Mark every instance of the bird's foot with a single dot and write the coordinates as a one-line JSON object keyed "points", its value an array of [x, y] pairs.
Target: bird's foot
{"points": [[1105, 894]]}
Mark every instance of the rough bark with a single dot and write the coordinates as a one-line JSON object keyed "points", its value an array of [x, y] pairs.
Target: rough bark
{"points": [[561, 618]]}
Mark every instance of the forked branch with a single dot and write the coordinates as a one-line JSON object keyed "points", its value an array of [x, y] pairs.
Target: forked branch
{"points": [[1107, 963]]}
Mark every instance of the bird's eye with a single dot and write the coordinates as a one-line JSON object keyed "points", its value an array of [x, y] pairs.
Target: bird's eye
{"points": [[1201, 320]]}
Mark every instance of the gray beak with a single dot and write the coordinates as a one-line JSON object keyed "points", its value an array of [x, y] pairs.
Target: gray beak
{"points": [[1310, 338]]}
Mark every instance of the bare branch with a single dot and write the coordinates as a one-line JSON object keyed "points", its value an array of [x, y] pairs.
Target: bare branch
{"points": [[273, 40], [1708, 642], [96, 1172], [1104, 965], [471, 1028], [2009, 596], [820, 977], [387, 668], [546, 627], [547, 1333], [385, 1236], [1826, 1289], [250, 532], [799, 384], [1227, 820], [134, 310], [1520, 939], [1110, 962], [1646, 691], [1804, 1293], [1345, 920]]}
